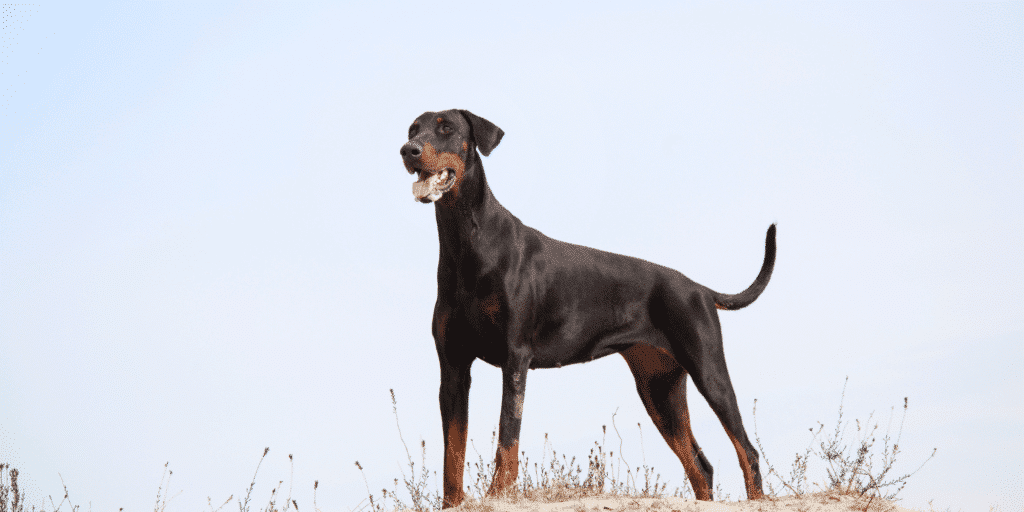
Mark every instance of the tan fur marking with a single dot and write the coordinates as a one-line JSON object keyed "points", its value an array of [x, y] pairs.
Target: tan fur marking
{"points": [[491, 306], [434, 162], [506, 464], [753, 493], [454, 460], [681, 446], [646, 361]]}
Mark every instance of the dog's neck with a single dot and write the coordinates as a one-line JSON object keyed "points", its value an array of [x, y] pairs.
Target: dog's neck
{"points": [[461, 218]]}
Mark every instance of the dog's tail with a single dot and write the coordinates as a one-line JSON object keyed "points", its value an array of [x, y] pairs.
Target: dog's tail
{"points": [[744, 298]]}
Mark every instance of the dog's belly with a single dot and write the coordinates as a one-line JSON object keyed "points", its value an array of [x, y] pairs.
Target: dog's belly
{"points": [[583, 341], [559, 358], [554, 347]]}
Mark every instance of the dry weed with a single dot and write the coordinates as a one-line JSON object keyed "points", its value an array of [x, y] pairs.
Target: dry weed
{"points": [[11, 497], [853, 469], [857, 476]]}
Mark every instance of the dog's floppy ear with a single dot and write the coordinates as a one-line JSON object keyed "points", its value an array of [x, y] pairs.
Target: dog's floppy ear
{"points": [[485, 133]]}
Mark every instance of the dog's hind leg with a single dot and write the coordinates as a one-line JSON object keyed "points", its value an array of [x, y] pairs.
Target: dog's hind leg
{"points": [[711, 377], [661, 383]]}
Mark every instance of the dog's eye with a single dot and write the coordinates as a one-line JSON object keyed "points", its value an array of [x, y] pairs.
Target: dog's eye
{"points": [[413, 130], [446, 129]]}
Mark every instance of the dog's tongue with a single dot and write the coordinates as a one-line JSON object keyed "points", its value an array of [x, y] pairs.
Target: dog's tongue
{"points": [[430, 189]]}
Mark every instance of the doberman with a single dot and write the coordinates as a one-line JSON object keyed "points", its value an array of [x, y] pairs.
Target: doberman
{"points": [[519, 300]]}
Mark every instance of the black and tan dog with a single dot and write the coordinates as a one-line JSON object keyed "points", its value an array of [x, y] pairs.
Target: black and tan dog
{"points": [[517, 299]]}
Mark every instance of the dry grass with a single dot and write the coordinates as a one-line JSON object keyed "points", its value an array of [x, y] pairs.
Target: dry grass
{"points": [[555, 478], [857, 475], [11, 497], [853, 468]]}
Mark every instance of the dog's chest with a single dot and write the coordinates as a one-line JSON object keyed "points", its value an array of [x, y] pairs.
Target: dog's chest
{"points": [[484, 310]]}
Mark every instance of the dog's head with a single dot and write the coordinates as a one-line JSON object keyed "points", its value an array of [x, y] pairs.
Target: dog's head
{"points": [[440, 148]]}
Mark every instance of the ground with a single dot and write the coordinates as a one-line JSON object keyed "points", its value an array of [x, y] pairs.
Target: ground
{"points": [[820, 502]]}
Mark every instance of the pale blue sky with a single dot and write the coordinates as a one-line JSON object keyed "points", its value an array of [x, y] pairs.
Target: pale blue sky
{"points": [[208, 244]]}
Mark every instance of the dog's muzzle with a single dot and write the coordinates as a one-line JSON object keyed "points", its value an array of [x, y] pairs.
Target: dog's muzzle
{"points": [[434, 178], [431, 186]]}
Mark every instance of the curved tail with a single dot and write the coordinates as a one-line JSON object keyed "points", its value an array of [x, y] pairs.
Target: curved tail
{"points": [[744, 298]]}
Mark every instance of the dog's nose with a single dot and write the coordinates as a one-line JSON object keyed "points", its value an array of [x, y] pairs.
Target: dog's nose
{"points": [[411, 149]]}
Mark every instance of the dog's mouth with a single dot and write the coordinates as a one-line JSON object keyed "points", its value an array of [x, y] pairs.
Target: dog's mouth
{"points": [[431, 185]]}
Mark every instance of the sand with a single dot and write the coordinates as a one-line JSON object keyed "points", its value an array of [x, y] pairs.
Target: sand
{"points": [[820, 502]]}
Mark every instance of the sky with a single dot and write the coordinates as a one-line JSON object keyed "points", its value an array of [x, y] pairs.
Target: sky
{"points": [[209, 246]]}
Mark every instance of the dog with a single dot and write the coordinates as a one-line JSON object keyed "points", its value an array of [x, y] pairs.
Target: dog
{"points": [[511, 296]]}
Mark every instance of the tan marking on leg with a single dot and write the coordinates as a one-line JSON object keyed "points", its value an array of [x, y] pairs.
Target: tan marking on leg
{"points": [[646, 361], [454, 462], [681, 445], [506, 469], [753, 493]]}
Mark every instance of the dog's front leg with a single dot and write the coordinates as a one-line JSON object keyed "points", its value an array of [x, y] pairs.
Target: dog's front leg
{"points": [[513, 391], [454, 398]]}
